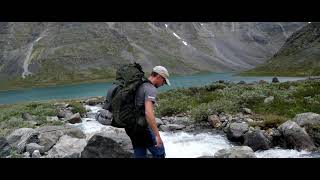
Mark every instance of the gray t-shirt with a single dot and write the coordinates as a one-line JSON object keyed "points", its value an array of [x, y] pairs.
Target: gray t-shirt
{"points": [[146, 92]]}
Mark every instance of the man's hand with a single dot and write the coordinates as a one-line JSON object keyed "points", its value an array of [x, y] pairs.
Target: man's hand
{"points": [[159, 141]]}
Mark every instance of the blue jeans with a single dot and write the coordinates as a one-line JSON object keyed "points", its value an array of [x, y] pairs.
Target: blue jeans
{"points": [[157, 152]]}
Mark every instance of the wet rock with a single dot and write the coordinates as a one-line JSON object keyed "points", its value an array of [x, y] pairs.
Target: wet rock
{"points": [[171, 127], [235, 152], [214, 120], [100, 146], [236, 131], [295, 136], [76, 118], [67, 147], [256, 140]]}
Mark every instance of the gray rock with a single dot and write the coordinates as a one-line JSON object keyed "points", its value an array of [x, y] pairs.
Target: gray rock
{"points": [[308, 118], [214, 121], [159, 122], [16, 135], [94, 101], [67, 147], [235, 152], [52, 118], [64, 113], [76, 118], [311, 122], [36, 154], [27, 117], [275, 80], [33, 146], [295, 136], [246, 110], [171, 127], [100, 146], [249, 120], [268, 100], [256, 140], [20, 137], [236, 131], [5, 148], [49, 135], [104, 117]]}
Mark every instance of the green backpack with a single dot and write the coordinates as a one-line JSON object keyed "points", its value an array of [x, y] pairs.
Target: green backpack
{"points": [[128, 78]]}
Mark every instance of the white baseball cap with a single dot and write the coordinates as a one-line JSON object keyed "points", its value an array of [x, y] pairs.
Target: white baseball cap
{"points": [[162, 71]]}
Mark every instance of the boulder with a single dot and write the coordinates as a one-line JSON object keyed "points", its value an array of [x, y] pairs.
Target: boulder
{"points": [[67, 147], [256, 140], [27, 117], [21, 137], [159, 122], [49, 135], [295, 136], [275, 80], [101, 146], [214, 121], [246, 110], [94, 101], [268, 100], [311, 122], [5, 148], [235, 152], [308, 118], [64, 113], [236, 131], [76, 118], [171, 127], [104, 117]]}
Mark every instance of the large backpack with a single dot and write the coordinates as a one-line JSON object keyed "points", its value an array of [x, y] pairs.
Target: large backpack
{"points": [[122, 105]]}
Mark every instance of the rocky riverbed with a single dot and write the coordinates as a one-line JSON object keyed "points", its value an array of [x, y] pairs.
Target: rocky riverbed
{"points": [[221, 136]]}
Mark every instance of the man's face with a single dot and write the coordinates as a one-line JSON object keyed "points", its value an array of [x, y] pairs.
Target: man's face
{"points": [[160, 81]]}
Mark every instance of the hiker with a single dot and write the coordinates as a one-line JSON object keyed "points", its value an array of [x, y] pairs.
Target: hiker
{"points": [[144, 134]]}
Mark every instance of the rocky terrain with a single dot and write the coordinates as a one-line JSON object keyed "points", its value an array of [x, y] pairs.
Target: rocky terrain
{"points": [[245, 129]]}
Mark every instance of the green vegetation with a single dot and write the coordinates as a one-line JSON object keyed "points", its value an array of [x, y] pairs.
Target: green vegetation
{"points": [[290, 98], [11, 115]]}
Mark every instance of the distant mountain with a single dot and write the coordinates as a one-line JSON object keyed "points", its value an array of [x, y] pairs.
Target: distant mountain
{"points": [[299, 56], [62, 52]]}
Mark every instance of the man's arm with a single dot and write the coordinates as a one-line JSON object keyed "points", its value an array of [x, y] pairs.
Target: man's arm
{"points": [[152, 121]]}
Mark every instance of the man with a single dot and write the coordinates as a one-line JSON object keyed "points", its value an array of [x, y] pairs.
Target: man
{"points": [[148, 137]]}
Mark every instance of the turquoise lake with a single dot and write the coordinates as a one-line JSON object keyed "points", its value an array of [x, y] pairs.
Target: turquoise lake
{"points": [[100, 89]]}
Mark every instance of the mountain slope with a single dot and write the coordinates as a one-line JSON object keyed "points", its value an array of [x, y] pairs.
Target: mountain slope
{"points": [[64, 52], [299, 56]]}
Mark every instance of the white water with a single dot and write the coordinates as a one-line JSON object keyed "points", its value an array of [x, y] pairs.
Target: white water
{"points": [[186, 145], [166, 25], [26, 62]]}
